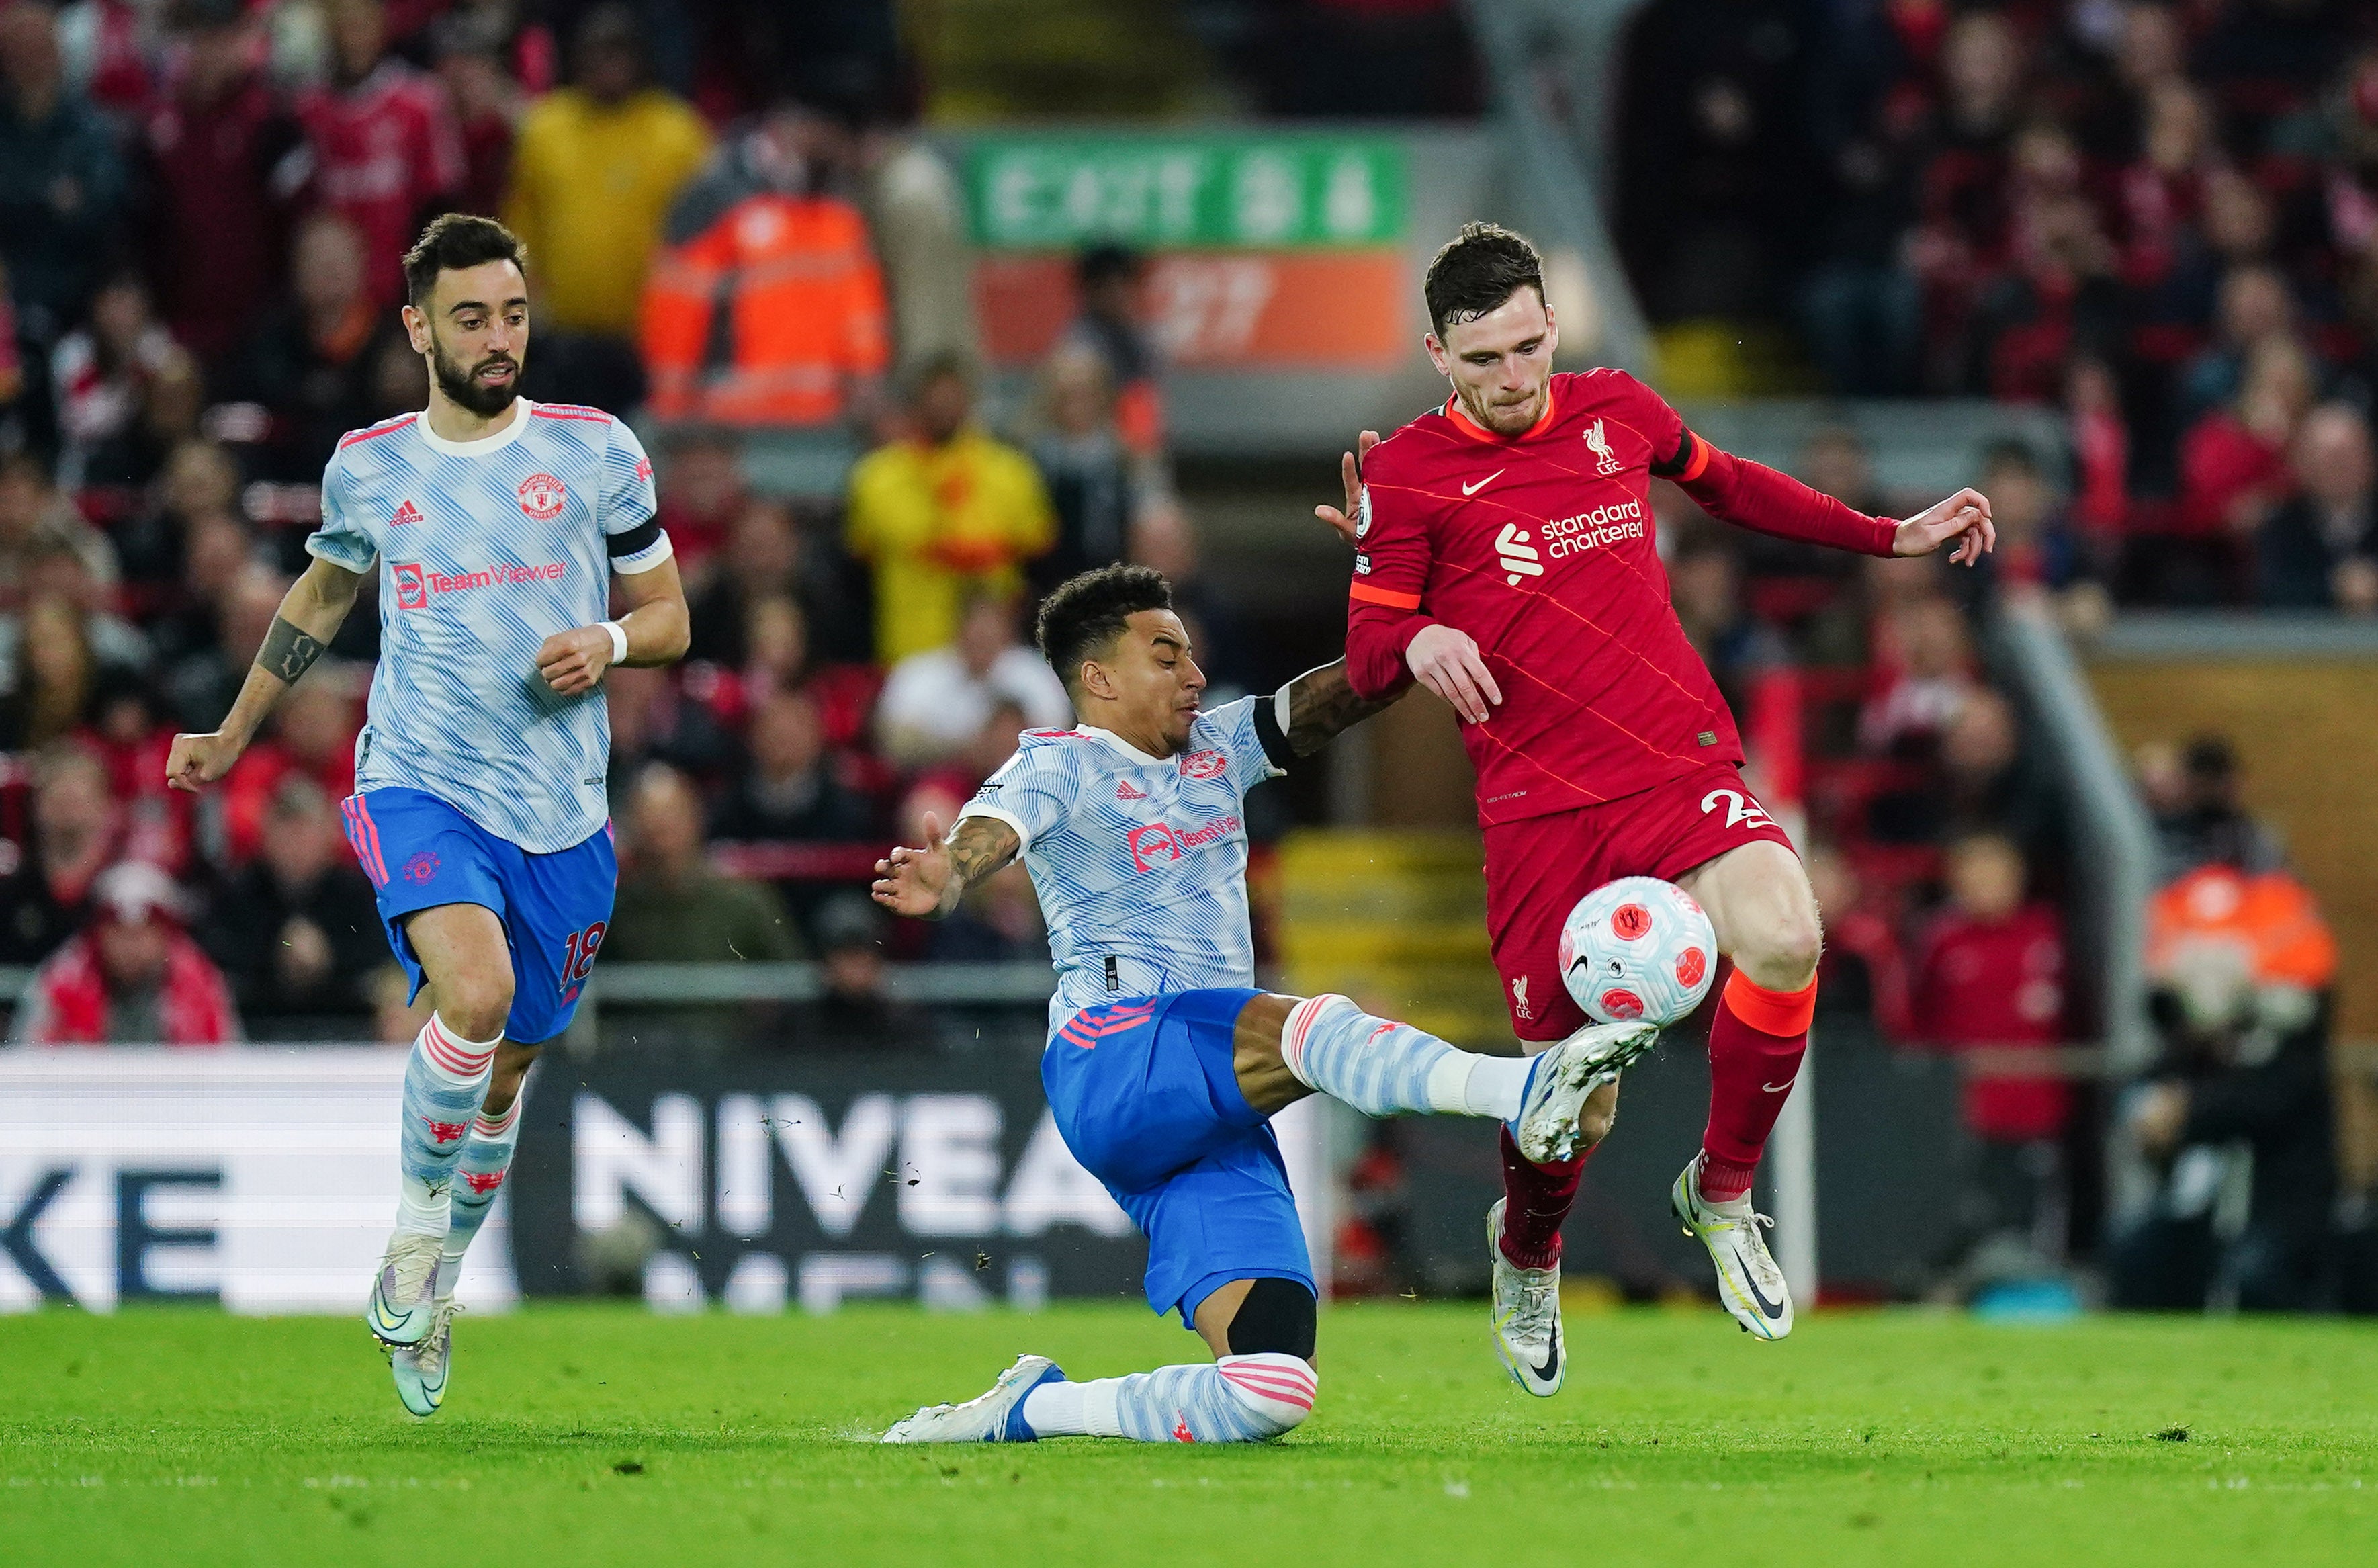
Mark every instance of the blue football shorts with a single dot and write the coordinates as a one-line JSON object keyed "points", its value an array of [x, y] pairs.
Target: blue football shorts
{"points": [[420, 852], [1145, 1092]]}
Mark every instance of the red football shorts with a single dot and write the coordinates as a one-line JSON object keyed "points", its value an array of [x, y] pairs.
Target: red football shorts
{"points": [[1538, 867]]}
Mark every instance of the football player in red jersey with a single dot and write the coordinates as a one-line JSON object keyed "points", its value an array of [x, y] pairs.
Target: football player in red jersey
{"points": [[1506, 559]]}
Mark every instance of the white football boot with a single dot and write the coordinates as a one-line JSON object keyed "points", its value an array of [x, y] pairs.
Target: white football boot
{"points": [[1748, 1283], [402, 1303], [1546, 1128], [420, 1369], [995, 1417], [1527, 1316]]}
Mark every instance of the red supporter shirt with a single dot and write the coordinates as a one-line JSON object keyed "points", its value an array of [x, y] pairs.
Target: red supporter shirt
{"points": [[1542, 547], [385, 150], [1998, 983]]}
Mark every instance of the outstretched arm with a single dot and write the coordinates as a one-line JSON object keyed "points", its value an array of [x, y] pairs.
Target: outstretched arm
{"points": [[1318, 707], [928, 882], [310, 614], [1751, 495]]}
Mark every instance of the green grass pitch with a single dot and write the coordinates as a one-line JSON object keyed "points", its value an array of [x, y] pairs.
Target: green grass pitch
{"points": [[596, 1436]]}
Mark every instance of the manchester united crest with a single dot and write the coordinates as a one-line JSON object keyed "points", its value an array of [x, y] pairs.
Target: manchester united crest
{"points": [[541, 496]]}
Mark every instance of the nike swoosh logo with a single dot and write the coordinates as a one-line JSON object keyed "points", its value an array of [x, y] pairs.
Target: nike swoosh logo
{"points": [[1473, 489], [1551, 1369], [1769, 1310], [1778, 1088]]}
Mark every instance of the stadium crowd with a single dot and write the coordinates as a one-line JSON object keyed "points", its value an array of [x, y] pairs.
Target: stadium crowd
{"points": [[202, 206], [2159, 219]]}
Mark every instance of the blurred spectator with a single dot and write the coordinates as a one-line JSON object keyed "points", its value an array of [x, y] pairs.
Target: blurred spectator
{"points": [[55, 677], [787, 791], [855, 1011], [199, 479], [2101, 460], [599, 162], [202, 686], [100, 376], [2242, 966], [224, 159], [672, 907], [760, 237], [1930, 663], [296, 932], [1985, 782], [768, 555], [62, 181], [46, 891], [2255, 306], [2035, 548], [309, 364], [1089, 474], [216, 553], [1705, 588], [2200, 820], [2233, 474], [36, 521], [936, 702], [1988, 984], [2320, 549], [1112, 283], [945, 511], [487, 102], [129, 734], [702, 491], [312, 739], [387, 155], [131, 976]]}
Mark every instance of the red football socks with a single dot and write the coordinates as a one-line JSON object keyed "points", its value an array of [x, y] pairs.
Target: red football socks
{"points": [[1536, 1199], [1754, 1048]]}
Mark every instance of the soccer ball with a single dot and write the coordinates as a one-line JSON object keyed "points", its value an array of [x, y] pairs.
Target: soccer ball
{"points": [[1638, 948]]}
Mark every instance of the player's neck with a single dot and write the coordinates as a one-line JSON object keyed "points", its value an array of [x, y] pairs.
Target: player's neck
{"points": [[449, 420], [1152, 743]]}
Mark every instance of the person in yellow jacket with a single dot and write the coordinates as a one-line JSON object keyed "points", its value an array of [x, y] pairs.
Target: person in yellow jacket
{"points": [[595, 171], [942, 513]]}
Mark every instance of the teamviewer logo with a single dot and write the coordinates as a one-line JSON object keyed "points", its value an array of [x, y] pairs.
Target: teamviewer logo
{"points": [[412, 585]]}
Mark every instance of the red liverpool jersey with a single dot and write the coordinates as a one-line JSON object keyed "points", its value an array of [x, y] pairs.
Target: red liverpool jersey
{"points": [[1542, 547]]}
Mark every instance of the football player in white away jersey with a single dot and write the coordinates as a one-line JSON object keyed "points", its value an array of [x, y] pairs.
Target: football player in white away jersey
{"points": [[1164, 1064], [499, 530]]}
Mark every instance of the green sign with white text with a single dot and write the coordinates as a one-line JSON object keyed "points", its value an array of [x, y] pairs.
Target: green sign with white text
{"points": [[1163, 193]]}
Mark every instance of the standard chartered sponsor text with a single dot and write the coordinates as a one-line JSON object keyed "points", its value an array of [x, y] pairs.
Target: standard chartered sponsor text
{"points": [[1603, 525]]}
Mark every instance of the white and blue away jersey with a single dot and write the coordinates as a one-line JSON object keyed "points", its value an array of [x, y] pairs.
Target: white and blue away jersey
{"points": [[486, 547], [1140, 862]]}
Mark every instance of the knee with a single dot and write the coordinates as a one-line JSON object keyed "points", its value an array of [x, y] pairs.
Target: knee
{"points": [[1780, 950], [1274, 1392], [475, 1005]]}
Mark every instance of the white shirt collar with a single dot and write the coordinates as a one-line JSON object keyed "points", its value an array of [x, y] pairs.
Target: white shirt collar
{"points": [[1119, 744], [485, 446]]}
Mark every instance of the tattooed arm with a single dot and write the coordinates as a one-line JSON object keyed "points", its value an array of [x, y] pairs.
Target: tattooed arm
{"points": [[1303, 716], [311, 615], [928, 882]]}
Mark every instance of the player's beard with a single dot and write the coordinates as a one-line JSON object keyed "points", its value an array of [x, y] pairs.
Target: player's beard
{"points": [[464, 387], [1513, 419]]}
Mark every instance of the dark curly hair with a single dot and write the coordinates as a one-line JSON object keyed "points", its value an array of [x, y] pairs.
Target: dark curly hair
{"points": [[1477, 270], [452, 242], [1083, 615]]}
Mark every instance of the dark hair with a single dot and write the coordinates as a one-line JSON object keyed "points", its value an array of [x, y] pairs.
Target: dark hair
{"points": [[1477, 270], [939, 365], [454, 241], [2010, 451], [1106, 262], [1083, 615]]}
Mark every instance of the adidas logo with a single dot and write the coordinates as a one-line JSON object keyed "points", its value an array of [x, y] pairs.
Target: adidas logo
{"points": [[1519, 555], [408, 512], [1126, 790]]}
